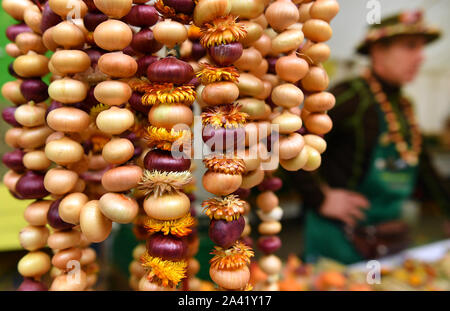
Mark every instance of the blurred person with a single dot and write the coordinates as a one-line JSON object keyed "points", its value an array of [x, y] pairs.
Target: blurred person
{"points": [[375, 156]]}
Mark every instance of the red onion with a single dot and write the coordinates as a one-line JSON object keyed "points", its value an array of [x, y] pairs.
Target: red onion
{"points": [[12, 72], [14, 30], [87, 146], [191, 197], [131, 52], [94, 55], [142, 16], [14, 160], [167, 247], [247, 240], [224, 139], [90, 99], [302, 131], [181, 6], [16, 195], [144, 41], [31, 285], [225, 233], [271, 184], [135, 102], [226, 54], [49, 18], [269, 244], [31, 186], [8, 116], [195, 82], [93, 19], [53, 218], [170, 70], [162, 160], [242, 193], [54, 105], [91, 5], [94, 176], [198, 51], [137, 151], [34, 90], [143, 64], [272, 61]]}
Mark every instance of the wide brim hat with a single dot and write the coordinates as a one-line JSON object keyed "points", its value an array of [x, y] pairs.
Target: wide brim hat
{"points": [[405, 23]]}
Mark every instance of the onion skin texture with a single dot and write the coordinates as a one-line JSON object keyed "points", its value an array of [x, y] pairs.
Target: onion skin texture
{"points": [[53, 218], [167, 247], [31, 186], [225, 233], [31, 285], [226, 54], [14, 160], [162, 160], [269, 244], [170, 70]]}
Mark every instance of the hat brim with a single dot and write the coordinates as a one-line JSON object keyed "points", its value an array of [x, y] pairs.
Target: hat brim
{"points": [[430, 35]]}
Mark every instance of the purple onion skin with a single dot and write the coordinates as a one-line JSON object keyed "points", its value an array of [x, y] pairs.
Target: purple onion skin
{"points": [[49, 18], [225, 233], [142, 16], [12, 72], [53, 105], [8, 116], [181, 6], [30, 285], [53, 218], [269, 244], [302, 131], [14, 160], [198, 51], [191, 197], [137, 151], [90, 99], [143, 64], [162, 160], [94, 55], [224, 139], [226, 54], [271, 184], [129, 135], [247, 241], [170, 70], [87, 146], [14, 30], [16, 195], [242, 193], [144, 42], [93, 19], [195, 82], [167, 247], [94, 176], [31, 186], [34, 90], [272, 61], [135, 102]]}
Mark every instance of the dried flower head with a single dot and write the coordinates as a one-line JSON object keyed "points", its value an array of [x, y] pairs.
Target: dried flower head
{"points": [[227, 208], [159, 182], [210, 74], [231, 258], [222, 30], [98, 142], [164, 272], [165, 93], [169, 12], [232, 166], [95, 111], [179, 227], [161, 138], [227, 116]]}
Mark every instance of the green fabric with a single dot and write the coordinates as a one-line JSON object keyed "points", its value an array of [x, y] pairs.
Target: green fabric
{"points": [[387, 184]]}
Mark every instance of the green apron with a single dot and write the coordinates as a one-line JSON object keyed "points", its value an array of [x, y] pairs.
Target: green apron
{"points": [[388, 183]]}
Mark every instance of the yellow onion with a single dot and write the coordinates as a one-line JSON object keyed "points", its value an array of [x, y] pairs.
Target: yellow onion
{"points": [[10, 180], [67, 91], [255, 108], [112, 93], [220, 183], [290, 146], [12, 50], [287, 95], [287, 41], [169, 206], [281, 14], [261, 21], [267, 201], [32, 138], [316, 80], [250, 85], [270, 264], [295, 163], [47, 39], [263, 44], [254, 32], [118, 207], [318, 123], [169, 115], [247, 9], [146, 285], [70, 61], [13, 135], [33, 238], [64, 239], [64, 7], [70, 207], [251, 159], [16, 8], [31, 65], [32, 16], [207, 10], [68, 35], [291, 68], [96, 162], [118, 151], [34, 264], [303, 11], [95, 226], [68, 119], [170, 33], [252, 179], [88, 256], [61, 259], [267, 90], [320, 102], [60, 181], [11, 91], [30, 115], [316, 142], [287, 122], [113, 35], [117, 65], [122, 178], [317, 53], [325, 10], [260, 70], [249, 59], [28, 41], [220, 93], [36, 213], [36, 160], [115, 120], [64, 151], [317, 30], [64, 282], [314, 159], [114, 8], [269, 227], [230, 279]]}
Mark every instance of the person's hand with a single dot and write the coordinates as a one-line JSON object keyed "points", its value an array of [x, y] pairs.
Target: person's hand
{"points": [[344, 205]]}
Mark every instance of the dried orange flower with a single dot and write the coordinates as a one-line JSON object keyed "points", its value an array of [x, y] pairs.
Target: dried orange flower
{"points": [[165, 93], [169, 12], [159, 182], [179, 227], [98, 142], [210, 74], [194, 32], [222, 30], [227, 116], [95, 111], [225, 165], [164, 272], [231, 258], [161, 138], [227, 208]]}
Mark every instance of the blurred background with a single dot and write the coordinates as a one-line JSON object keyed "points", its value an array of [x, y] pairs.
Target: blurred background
{"points": [[430, 93]]}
